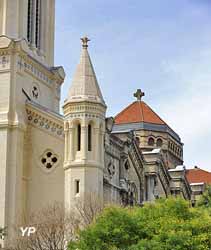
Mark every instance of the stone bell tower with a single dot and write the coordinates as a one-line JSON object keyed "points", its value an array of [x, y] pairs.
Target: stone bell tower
{"points": [[84, 112], [27, 75], [32, 20]]}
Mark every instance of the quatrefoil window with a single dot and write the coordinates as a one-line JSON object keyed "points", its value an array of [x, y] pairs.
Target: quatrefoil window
{"points": [[48, 160]]}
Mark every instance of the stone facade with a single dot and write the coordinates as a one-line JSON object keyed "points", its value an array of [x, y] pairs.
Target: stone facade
{"points": [[47, 157]]}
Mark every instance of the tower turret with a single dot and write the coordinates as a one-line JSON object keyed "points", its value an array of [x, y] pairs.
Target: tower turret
{"points": [[84, 112]]}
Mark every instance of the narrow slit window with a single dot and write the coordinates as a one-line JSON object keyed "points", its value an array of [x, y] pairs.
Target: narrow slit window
{"points": [[37, 24], [79, 137], [77, 187], [34, 22], [29, 21], [89, 137]]}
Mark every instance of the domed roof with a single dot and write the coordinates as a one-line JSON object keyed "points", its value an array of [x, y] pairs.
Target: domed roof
{"points": [[138, 111], [139, 116]]}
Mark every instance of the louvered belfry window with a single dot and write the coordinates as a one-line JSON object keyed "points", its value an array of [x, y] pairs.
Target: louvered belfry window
{"points": [[29, 22], [34, 23]]}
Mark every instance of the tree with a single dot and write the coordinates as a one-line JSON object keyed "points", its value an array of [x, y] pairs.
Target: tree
{"points": [[166, 224], [53, 228], [87, 210], [2, 233], [205, 200]]}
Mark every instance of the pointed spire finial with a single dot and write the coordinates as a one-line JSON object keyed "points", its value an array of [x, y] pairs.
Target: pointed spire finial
{"points": [[139, 94], [85, 41]]}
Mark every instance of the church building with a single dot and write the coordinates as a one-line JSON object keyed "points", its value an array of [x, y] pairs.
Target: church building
{"points": [[48, 157]]}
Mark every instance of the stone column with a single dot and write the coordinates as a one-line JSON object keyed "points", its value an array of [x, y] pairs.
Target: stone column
{"points": [[71, 144], [66, 146], [96, 146], [3, 176], [101, 139], [84, 143]]}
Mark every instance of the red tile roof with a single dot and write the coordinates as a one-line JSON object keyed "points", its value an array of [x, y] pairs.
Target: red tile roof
{"points": [[198, 175], [136, 112]]}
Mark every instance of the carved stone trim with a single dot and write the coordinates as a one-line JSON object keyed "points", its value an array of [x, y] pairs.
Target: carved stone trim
{"points": [[31, 68], [4, 62], [46, 124]]}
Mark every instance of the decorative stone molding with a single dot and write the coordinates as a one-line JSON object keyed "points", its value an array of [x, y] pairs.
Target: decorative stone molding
{"points": [[112, 151], [111, 169], [45, 122], [4, 62], [87, 108], [83, 115], [28, 62], [30, 67], [137, 160]]}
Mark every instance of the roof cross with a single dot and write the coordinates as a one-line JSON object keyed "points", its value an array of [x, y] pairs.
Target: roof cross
{"points": [[139, 94], [85, 41]]}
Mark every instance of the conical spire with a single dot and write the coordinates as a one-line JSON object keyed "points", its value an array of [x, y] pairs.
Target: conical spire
{"points": [[84, 84]]}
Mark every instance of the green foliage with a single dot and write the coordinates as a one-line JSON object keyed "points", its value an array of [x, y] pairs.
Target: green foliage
{"points": [[2, 233], [205, 200], [169, 224]]}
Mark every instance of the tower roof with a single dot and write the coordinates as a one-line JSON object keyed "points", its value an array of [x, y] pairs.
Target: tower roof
{"points": [[84, 85]]}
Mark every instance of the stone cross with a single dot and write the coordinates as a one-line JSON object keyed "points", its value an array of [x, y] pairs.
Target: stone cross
{"points": [[139, 94], [85, 41]]}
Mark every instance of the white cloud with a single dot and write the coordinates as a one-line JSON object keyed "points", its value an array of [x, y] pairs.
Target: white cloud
{"points": [[189, 111]]}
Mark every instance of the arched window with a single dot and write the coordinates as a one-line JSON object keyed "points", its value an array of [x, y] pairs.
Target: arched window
{"points": [[89, 137], [29, 21], [151, 141], [174, 148], [79, 137], [137, 140], [34, 22], [38, 23], [159, 142]]}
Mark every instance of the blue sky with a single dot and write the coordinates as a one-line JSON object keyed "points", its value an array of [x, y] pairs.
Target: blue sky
{"points": [[160, 46]]}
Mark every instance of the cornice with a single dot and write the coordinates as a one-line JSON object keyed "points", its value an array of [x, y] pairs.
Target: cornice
{"points": [[7, 124], [45, 120], [87, 109], [30, 62]]}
